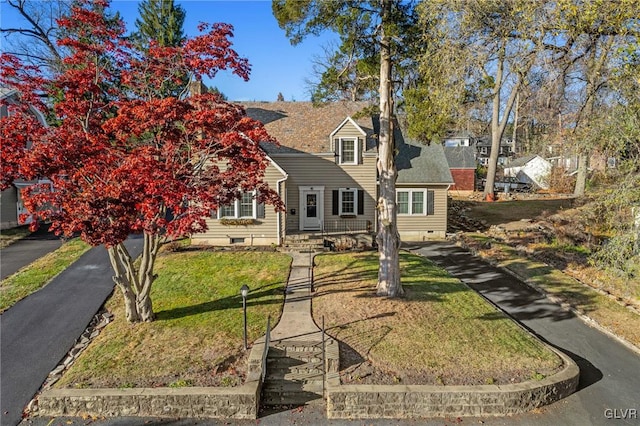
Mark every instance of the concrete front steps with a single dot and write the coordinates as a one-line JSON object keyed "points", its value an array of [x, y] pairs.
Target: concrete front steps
{"points": [[294, 373], [304, 243]]}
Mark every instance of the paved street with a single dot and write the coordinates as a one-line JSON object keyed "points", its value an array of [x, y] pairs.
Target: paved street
{"points": [[23, 252], [38, 331]]}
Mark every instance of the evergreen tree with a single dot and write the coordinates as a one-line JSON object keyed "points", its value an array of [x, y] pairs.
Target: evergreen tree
{"points": [[160, 20], [160, 26]]}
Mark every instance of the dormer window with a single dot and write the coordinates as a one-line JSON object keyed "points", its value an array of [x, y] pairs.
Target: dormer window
{"points": [[348, 150]]}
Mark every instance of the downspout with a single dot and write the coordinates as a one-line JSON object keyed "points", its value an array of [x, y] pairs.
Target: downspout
{"points": [[279, 217]]}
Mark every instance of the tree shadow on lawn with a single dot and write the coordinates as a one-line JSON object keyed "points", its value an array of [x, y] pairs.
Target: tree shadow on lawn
{"points": [[229, 302], [364, 339], [412, 269]]}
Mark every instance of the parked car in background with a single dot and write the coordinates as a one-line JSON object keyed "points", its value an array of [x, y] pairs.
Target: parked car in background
{"points": [[508, 184]]}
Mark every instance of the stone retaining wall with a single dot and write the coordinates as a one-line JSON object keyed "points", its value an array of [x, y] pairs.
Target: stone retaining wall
{"points": [[239, 402], [415, 401]]}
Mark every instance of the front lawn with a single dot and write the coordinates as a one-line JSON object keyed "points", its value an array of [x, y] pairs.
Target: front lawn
{"points": [[441, 332], [197, 339]]}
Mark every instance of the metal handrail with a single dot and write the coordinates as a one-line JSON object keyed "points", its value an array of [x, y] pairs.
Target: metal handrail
{"points": [[265, 351], [324, 361]]}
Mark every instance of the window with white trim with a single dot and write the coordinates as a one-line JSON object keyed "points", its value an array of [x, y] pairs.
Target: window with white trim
{"points": [[244, 207], [411, 201], [348, 201], [348, 150]]}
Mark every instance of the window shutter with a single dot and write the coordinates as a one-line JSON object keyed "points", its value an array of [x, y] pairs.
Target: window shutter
{"points": [[430, 201], [336, 150], [260, 213], [336, 195], [360, 149], [360, 201]]}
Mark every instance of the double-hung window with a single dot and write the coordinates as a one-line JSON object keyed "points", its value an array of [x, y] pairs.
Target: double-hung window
{"points": [[348, 201], [348, 150], [244, 207], [411, 202]]}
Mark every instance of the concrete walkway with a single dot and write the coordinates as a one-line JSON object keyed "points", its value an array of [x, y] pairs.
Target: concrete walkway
{"points": [[296, 322]]}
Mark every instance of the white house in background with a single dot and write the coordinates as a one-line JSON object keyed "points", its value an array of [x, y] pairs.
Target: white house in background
{"points": [[530, 169]]}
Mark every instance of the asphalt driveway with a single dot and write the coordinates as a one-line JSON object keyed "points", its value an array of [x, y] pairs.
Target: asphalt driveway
{"points": [[38, 331], [23, 252], [609, 370]]}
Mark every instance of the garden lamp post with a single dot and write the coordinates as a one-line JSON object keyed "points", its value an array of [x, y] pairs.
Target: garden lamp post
{"points": [[244, 291]]}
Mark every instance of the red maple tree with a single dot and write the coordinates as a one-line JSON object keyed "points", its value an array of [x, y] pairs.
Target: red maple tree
{"points": [[124, 157]]}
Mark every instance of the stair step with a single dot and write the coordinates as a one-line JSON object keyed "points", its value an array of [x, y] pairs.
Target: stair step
{"points": [[292, 364], [300, 398], [286, 387], [305, 356], [290, 343], [306, 368]]}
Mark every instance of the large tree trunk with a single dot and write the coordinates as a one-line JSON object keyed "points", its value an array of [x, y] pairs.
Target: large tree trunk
{"points": [[498, 125], [581, 176], [388, 237], [135, 285]]}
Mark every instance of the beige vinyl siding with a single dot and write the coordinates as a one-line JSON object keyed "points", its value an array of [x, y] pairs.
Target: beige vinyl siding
{"points": [[310, 170], [349, 130], [263, 232], [424, 227]]}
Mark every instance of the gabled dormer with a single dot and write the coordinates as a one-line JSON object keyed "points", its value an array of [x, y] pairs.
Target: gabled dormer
{"points": [[347, 142]]}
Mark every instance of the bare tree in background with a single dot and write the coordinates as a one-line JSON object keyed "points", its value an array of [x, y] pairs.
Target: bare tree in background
{"points": [[34, 38]]}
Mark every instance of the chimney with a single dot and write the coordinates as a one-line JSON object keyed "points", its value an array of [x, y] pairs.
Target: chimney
{"points": [[197, 88]]}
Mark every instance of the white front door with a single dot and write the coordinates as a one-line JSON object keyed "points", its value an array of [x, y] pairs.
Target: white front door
{"points": [[311, 208]]}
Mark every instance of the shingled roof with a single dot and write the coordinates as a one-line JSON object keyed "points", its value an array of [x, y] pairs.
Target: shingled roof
{"points": [[420, 163], [303, 127]]}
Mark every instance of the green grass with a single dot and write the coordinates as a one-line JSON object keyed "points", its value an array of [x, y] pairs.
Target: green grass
{"points": [[39, 273], [197, 339], [441, 332], [10, 236]]}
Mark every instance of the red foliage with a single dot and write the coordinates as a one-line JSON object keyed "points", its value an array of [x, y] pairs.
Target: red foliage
{"points": [[119, 153]]}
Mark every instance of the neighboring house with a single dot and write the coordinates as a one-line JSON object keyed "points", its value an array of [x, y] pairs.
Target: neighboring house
{"points": [[483, 151], [462, 163], [530, 169], [11, 204], [459, 139], [325, 172]]}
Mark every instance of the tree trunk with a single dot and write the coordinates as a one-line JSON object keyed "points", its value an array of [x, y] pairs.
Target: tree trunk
{"points": [[122, 281], [498, 125], [135, 285], [581, 176], [388, 238]]}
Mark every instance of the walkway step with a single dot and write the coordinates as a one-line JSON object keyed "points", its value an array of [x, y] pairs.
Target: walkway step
{"points": [[286, 387], [306, 356], [295, 398], [293, 364]]}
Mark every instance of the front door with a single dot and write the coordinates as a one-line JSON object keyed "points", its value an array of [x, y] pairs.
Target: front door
{"points": [[311, 209]]}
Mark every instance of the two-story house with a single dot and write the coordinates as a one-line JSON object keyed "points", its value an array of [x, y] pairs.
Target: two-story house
{"points": [[325, 172]]}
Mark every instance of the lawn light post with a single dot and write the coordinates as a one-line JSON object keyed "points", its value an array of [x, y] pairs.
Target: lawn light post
{"points": [[244, 291]]}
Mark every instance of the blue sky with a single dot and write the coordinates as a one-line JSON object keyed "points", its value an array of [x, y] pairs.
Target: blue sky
{"points": [[277, 66]]}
